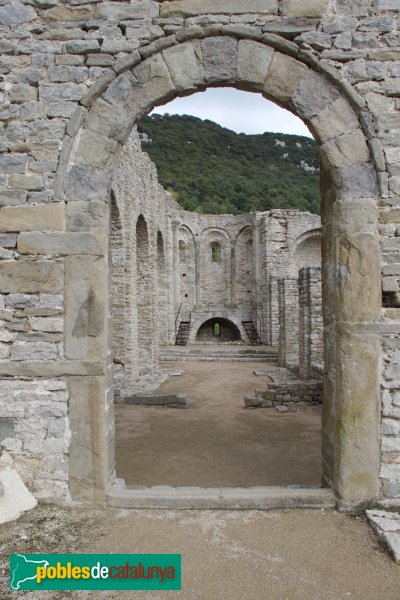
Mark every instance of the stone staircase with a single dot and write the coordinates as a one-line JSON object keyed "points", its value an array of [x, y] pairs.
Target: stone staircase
{"points": [[220, 354], [183, 333], [252, 333]]}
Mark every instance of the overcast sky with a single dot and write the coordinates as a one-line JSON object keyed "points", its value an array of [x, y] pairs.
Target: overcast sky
{"points": [[243, 112]]}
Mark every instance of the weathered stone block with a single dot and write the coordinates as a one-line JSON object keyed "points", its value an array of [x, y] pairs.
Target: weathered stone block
{"points": [[7, 427], [60, 109], [253, 62], [386, 4], [23, 92], [69, 59], [50, 324], [61, 91], [284, 76], [358, 417], [115, 46], [12, 14], [185, 65], [5, 350], [87, 182], [122, 91], [334, 120], [100, 60], [84, 215], [34, 351], [26, 182], [82, 46], [12, 198], [31, 277], [105, 120], [13, 163], [358, 277], [35, 217], [219, 59], [313, 95], [347, 149], [88, 466], [304, 8], [122, 11], [190, 8], [8, 241], [62, 244], [94, 149], [86, 311], [155, 77], [355, 215], [356, 181], [390, 216]]}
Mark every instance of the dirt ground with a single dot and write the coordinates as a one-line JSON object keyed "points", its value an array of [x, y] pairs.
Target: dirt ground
{"points": [[215, 442], [277, 555], [232, 555]]}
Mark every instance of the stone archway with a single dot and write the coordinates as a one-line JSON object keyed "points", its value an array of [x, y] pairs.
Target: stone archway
{"points": [[351, 266], [307, 251], [217, 331]]}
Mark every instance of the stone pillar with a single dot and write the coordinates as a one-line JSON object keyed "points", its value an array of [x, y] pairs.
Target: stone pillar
{"points": [[263, 282], [288, 297], [273, 311], [258, 317], [233, 274], [352, 311], [310, 321], [197, 250], [175, 267]]}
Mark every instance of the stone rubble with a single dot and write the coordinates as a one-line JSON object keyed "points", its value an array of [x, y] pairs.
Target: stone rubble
{"points": [[387, 526]]}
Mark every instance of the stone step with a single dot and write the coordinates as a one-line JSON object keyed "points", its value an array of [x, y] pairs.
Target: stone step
{"points": [[254, 498], [183, 357], [181, 352]]}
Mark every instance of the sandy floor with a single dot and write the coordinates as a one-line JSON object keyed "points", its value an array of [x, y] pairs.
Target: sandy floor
{"points": [[296, 555], [215, 441]]}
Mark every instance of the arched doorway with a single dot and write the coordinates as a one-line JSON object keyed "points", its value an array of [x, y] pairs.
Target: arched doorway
{"points": [[218, 331], [350, 242]]}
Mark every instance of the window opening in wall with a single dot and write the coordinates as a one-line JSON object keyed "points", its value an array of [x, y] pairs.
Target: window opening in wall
{"points": [[217, 329], [216, 252]]}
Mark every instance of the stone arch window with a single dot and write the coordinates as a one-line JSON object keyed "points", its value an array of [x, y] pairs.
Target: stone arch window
{"points": [[217, 329], [216, 252]]}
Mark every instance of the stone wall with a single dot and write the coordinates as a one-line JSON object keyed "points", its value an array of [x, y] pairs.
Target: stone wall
{"points": [[281, 234], [144, 209], [310, 321], [75, 77], [288, 297]]}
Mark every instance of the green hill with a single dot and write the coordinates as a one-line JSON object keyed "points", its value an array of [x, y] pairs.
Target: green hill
{"points": [[210, 169]]}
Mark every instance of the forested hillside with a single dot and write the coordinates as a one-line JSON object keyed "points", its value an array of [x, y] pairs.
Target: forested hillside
{"points": [[211, 169]]}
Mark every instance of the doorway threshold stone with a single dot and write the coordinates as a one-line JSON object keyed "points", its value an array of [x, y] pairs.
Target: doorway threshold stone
{"points": [[254, 498]]}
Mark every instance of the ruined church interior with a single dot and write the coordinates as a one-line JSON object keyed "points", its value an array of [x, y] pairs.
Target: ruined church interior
{"points": [[217, 339]]}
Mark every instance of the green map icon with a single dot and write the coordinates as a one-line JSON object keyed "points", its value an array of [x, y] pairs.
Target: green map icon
{"points": [[24, 569]]}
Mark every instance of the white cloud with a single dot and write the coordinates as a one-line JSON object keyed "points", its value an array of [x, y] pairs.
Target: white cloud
{"points": [[243, 112]]}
